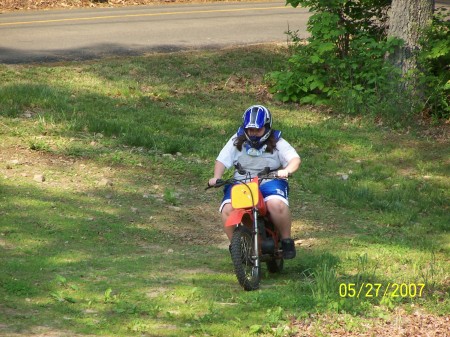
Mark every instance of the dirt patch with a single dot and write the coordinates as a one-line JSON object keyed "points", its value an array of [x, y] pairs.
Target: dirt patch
{"points": [[400, 324], [195, 221], [47, 332]]}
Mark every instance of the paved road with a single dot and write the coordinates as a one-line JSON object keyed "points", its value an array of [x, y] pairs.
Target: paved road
{"points": [[91, 33]]}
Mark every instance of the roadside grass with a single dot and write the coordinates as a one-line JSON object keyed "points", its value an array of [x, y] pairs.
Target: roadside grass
{"points": [[121, 240]]}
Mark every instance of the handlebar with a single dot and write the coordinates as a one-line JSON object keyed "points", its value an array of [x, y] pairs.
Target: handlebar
{"points": [[264, 174], [221, 182]]}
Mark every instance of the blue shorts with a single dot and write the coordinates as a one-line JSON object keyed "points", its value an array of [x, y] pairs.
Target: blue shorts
{"points": [[273, 189]]}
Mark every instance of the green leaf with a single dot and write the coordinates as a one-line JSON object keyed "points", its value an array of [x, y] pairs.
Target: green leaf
{"points": [[315, 59], [70, 299], [447, 85], [316, 84], [57, 295], [324, 47], [254, 329], [61, 279], [108, 294], [309, 99]]}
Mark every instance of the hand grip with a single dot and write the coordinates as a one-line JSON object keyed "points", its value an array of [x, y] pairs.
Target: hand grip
{"points": [[219, 182]]}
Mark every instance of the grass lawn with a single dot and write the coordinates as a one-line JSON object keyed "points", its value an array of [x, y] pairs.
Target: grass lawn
{"points": [[106, 230]]}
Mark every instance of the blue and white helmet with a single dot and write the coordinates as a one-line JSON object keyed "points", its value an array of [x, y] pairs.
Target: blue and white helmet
{"points": [[257, 116]]}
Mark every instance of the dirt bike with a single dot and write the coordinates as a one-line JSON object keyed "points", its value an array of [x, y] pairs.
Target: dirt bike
{"points": [[255, 238]]}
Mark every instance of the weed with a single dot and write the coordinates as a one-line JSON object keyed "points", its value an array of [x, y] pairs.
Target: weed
{"points": [[364, 274], [39, 145], [326, 283], [170, 196]]}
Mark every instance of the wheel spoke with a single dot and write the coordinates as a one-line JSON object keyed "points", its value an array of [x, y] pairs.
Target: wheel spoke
{"points": [[242, 256]]}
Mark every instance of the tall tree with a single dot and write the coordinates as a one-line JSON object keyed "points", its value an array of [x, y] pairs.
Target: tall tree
{"points": [[407, 20]]}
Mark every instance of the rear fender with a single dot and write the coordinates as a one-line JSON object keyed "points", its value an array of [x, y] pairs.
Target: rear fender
{"points": [[239, 215]]}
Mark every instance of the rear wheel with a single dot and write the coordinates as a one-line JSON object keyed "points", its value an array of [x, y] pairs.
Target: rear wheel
{"points": [[242, 255], [276, 263]]}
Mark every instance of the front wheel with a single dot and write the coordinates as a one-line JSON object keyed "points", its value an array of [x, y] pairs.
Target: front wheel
{"points": [[243, 257]]}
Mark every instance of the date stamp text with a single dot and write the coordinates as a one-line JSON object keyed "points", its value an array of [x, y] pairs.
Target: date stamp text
{"points": [[368, 290]]}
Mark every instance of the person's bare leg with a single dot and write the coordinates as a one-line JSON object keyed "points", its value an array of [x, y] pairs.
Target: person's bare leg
{"points": [[226, 211], [281, 216]]}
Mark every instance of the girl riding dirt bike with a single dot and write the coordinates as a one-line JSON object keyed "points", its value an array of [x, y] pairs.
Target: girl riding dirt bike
{"points": [[254, 148], [255, 238]]}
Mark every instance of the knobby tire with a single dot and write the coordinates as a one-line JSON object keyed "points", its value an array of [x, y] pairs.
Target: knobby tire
{"points": [[242, 252], [274, 265]]}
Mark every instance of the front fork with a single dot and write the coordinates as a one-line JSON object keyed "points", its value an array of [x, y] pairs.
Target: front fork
{"points": [[255, 237]]}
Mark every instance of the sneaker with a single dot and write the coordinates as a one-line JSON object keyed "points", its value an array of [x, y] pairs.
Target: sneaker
{"points": [[288, 247]]}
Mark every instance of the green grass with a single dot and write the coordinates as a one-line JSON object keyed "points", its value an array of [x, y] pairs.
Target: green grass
{"points": [[121, 239]]}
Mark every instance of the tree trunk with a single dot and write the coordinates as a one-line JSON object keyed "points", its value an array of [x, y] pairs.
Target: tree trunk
{"points": [[407, 19]]}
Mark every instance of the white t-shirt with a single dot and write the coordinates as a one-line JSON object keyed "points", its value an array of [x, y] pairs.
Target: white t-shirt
{"points": [[281, 156]]}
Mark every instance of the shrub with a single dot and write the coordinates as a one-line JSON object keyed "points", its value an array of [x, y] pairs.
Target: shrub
{"points": [[434, 66], [343, 63]]}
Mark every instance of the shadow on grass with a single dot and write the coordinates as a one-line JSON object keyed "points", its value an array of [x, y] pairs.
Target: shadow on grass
{"points": [[61, 252], [83, 257], [89, 53]]}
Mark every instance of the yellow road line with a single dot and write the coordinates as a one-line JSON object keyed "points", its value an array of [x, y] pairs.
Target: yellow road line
{"points": [[139, 15]]}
